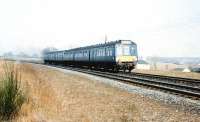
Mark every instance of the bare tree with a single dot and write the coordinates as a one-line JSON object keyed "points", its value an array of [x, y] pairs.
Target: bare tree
{"points": [[22, 54], [35, 55], [8, 54], [48, 49]]}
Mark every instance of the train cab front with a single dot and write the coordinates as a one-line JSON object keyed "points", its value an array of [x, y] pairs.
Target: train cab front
{"points": [[126, 55]]}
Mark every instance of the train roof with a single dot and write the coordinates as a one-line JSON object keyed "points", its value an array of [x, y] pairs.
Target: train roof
{"points": [[99, 45]]}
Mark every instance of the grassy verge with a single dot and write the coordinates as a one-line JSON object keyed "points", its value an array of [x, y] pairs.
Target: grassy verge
{"points": [[11, 94]]}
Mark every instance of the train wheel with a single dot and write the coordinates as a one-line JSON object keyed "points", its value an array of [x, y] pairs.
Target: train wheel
{"points": [[124, 70], [115, 69]]}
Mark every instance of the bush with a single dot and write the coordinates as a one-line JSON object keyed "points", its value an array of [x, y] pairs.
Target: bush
{"points": [[11, 95]]}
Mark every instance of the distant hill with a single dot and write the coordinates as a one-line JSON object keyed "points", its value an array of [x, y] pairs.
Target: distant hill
{"points": [[175, 60]]}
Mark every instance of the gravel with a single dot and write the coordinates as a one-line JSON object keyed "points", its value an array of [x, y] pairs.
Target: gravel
{"points": [[179, 102]]}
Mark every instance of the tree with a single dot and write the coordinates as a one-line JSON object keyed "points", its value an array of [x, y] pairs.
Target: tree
{"points": [[22, 54], [48, 49], [8, 54], [35, 55]]}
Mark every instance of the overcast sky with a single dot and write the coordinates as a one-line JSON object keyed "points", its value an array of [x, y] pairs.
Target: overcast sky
{"points": [[159, 27]]}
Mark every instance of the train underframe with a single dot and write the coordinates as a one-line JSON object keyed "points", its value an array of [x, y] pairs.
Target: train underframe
{"points": [[104, 66]]}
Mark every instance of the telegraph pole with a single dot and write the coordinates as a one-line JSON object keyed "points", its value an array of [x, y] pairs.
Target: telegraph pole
{"points": [[105, 38]]}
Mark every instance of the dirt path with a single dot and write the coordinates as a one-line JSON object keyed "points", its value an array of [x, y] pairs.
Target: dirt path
{"points": [[59, 97]]}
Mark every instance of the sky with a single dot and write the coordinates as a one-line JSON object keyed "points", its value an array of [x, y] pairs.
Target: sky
{"points": [[167, 28]]}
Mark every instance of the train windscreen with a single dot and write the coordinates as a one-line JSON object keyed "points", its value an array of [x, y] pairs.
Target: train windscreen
{"points": [[126, 49]]}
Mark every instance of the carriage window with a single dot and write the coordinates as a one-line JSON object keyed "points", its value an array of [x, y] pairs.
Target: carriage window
{"points": [[110, 52], [133, 51], [119, 50], [126, 50]]}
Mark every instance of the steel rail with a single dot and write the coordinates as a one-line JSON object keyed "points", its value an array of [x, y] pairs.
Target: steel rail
{"points": [[170, 87], [189, 80], [183, 90]]}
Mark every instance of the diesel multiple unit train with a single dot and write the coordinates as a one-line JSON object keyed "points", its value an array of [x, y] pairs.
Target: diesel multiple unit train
{"points": [[115, 56]]}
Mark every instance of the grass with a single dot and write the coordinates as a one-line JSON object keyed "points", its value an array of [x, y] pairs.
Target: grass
{"points": [[11, 94]]}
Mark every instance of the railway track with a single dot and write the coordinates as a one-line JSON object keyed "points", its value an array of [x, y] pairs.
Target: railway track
{"points": [[185, 87], [172, 85], [179, 80]]}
